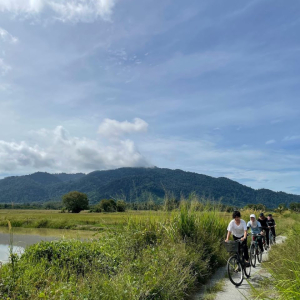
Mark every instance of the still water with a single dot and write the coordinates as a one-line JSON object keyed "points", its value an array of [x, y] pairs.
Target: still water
{"points": [[24, 237]]}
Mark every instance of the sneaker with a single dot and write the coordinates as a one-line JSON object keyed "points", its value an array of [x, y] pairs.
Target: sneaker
{"points": [[247, 263]]}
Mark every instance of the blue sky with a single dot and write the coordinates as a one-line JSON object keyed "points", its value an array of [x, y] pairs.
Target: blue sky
{"points": [[205, 86]]}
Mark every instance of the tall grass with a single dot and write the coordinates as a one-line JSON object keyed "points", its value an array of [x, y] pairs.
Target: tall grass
{"points": [[158, 257], [284, 263]]}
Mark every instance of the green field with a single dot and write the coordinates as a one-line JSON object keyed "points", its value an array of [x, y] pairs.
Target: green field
{"points": [[82, 221], [138, 255]]}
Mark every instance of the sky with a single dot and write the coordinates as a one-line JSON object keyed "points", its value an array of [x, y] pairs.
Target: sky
{"points": [[210, 87]]}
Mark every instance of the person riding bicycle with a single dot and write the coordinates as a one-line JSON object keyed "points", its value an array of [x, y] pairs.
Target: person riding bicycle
{"points": [[263, 221], [238, 228], [271, 225], [255, 228]]}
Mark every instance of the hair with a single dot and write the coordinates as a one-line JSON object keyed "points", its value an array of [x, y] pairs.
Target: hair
{"points": [[269, 215], [235, 214]]}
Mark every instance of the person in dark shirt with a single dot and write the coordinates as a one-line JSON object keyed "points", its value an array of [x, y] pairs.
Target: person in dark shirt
{"points": [[271, 224], [263, 221]]}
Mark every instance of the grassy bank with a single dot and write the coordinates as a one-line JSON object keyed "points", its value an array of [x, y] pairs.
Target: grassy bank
{"points": [[159, 257], [284, 263]]}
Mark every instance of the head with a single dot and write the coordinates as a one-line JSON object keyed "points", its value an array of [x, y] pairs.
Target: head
{"points": [[253, 220], [236, 215], [270, 217], [261, 216]]}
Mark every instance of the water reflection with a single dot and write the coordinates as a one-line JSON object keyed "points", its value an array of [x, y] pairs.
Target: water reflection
{"points": [[5, 252], [23, 237]]}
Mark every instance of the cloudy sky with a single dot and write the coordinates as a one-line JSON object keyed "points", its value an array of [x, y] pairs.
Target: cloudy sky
{"points": [[205, 86]]}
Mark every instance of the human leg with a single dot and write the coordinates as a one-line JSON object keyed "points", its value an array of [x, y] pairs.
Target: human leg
{"points": [[267, 237]]}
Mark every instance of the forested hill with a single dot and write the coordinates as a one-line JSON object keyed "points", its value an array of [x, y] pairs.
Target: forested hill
{"points": [[135, 184]]}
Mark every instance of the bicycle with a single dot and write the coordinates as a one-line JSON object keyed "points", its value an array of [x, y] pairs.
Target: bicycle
{"points": [[271, 237], [255, 251], [264, 240], [236, 264]]}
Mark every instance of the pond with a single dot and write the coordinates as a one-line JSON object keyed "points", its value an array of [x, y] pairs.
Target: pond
{"points": [[23, 237]]}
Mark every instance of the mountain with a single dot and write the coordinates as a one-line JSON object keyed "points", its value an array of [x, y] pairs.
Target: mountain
{"points": [[136, 184]]}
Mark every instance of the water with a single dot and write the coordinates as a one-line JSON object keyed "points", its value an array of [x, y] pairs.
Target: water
{"points": [[23, 237]]}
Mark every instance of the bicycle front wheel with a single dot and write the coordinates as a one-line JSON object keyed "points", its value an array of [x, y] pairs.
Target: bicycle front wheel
{"points": [[235, 271], [259, 255], [247, 270], [252, 255]]}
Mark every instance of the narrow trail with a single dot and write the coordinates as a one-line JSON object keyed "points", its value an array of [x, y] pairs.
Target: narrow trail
{"points": [[230, 292]]}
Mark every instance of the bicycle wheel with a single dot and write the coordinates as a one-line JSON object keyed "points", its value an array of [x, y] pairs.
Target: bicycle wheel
{"points": [[259, 255], [235, 271], [247, 270], [252, 255], [271, 238]]}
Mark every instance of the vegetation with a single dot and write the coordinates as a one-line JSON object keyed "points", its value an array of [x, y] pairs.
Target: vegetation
{"points": [[75, 201], [258, 207], [295, 206], [284, 263], [159, 257], [136, 185]]}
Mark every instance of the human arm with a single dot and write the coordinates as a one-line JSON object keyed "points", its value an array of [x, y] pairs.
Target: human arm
{"points": [[245, 235], [228, 236], [245, 231]]}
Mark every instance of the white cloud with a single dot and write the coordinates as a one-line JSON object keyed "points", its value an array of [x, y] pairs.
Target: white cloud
{"points": [[22, 6], [57, 151], [4, 68], [113, 128], [291, 138], [6, 36], [64, 10], [270, 142]]}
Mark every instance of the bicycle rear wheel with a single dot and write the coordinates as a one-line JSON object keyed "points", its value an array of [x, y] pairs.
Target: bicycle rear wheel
{"points": [[271, 239], [252, 255], [235, 271]]}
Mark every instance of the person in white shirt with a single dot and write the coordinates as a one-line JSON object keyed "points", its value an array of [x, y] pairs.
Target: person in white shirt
{"points": [[238, 228]]}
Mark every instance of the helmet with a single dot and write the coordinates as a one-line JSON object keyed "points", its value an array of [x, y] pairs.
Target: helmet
{"points": [[261, 215], [252, 216]]}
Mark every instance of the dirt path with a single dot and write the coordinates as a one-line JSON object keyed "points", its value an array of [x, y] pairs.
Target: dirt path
{"points": [[230, 292]]}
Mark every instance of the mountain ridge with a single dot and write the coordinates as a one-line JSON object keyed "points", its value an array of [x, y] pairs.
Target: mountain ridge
{"points": [[136, 184]]}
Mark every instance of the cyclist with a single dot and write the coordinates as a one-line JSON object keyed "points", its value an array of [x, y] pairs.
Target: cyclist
{"points": [[255, 228], [263, 221], [271, 224], [238, 228]]}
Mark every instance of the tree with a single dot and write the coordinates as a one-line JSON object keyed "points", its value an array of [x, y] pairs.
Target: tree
{"points": [[75, 201], [108, 205], [294, 206], [281, 207], [121, 205]]}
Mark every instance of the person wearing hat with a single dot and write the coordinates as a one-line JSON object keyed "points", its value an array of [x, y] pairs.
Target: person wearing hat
{"points": [[263, 221], [255, 228]]}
